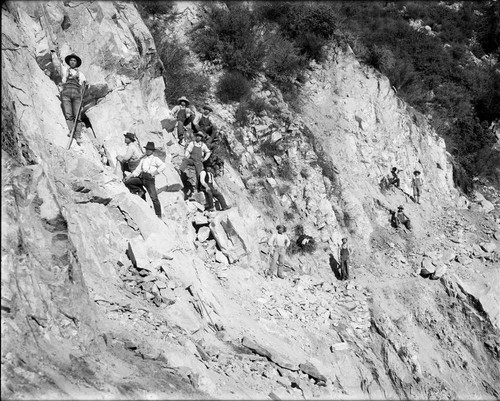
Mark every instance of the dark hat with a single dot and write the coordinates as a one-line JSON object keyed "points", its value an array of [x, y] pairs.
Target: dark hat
{"points": [[183, 99], [78, 59], [400, 207], [282, 226], [394, 169], [416, 172], [130, 136], [207, 107], [200, 133], [150, 146]]}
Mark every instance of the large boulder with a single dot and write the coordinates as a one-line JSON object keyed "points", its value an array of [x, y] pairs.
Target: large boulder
{"points": [[169, 180], [235, 235]]}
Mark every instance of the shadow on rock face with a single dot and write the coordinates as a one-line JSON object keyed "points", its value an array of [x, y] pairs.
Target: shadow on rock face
{"points": [[335, 266]]}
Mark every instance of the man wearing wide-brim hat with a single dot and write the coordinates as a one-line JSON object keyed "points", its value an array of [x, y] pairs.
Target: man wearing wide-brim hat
{"points": [[416, 184], [400, 217], [144, 177], [71, 87], [278, 243], [130, 160], [203, 123], [183, 116], [196, 154]]}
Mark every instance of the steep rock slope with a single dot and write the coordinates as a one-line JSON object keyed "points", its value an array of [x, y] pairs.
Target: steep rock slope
{"points": [[101, 299]]}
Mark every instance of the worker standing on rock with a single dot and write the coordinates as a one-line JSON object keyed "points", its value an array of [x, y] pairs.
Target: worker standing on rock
{"points": [[131, 159], [183, 116], [207, 185], [195, 155], [71, 88], [344, 254], [278, 243], [144, 177], [416, 184]]}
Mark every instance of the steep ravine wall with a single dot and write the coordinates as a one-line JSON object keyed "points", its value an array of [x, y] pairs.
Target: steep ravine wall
{"points": [[74, 316]]}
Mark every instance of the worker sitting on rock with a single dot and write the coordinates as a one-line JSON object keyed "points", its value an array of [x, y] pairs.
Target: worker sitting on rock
{"points": [[202, 122], [278, 244], [144, 177], [305, 243], [195, 155], [395, 180], [416, 184], [344, 254], [400, 217], [130, 160], [183, 116], [71, 88], [207, 186]]}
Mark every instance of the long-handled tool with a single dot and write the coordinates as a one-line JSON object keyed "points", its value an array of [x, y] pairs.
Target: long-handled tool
{"points": [[77, 117]]}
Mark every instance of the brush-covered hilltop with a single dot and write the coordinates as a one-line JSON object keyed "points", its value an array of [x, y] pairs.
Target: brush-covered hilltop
{"points": [[102, 299]]}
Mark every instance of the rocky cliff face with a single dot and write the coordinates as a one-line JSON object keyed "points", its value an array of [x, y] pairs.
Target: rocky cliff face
{"points": [[101, 298]]}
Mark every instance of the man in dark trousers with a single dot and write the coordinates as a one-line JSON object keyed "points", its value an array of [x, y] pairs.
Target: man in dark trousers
{"points": [[195, 155], [207, 186], [202, 121], [130, 160], [183, 115], [71, 88], [395, 180], [144, 177], [401, 218], [344, 255], [416, 184]]}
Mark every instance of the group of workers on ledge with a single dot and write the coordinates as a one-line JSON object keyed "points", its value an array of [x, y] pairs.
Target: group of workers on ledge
{"points": [[139, 170]]}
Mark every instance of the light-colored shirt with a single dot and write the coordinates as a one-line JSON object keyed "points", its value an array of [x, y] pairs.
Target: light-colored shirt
{"points": [[67, 72], [149, 164], [417, 181], [133, 153], [177, 108], [203, 176], [280, 240], [197, 118], [204, 149]]}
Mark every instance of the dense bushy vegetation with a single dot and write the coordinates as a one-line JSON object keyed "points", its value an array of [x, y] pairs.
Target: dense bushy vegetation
{"points": [[440, 57], [232, 87], [180, 79], [435, 69]]}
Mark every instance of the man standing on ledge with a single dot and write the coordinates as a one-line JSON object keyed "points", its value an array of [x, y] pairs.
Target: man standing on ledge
{"points": [[195, 155], [144, 177]]}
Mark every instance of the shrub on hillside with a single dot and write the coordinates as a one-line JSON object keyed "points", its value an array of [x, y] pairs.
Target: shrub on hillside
{"points": [[151, 7], [241, 114], [270, 149], [285, 170], [382, 58], [283, 61], [231, 36], [310, 24], [232, 87], [180, 80]]}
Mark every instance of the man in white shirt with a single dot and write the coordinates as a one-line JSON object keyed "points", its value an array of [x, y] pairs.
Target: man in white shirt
{"points": [[207, 185], [130, 160], [144, 177], [278, 243], [71, 87], [196, 153]]}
